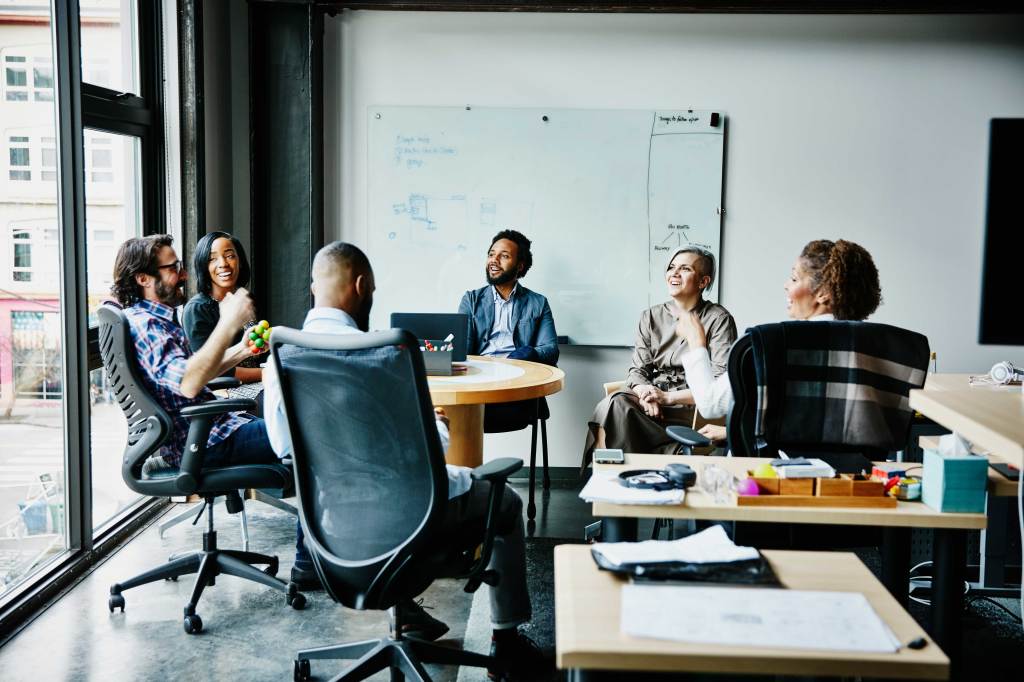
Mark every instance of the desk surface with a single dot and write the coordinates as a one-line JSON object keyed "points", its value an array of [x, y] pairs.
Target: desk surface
{"points": [[992, 418], [496, 380], [588, 610], [700, 505]]}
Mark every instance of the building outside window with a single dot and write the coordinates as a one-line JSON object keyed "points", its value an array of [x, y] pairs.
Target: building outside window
{"points": [[28, 78], [20, 158]]}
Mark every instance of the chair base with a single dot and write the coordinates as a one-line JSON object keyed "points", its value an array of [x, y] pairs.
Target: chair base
{"points": [[402, 656], [207, 565]]}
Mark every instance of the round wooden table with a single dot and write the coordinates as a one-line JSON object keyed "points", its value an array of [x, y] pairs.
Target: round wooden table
{"points": [[488, 380]]}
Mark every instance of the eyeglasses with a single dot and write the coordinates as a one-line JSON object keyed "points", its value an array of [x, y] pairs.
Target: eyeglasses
{"points": [[177, 265]]}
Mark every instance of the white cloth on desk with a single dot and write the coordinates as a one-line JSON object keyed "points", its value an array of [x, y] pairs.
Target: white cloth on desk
{"points": [[334, 321], [605, 487]]}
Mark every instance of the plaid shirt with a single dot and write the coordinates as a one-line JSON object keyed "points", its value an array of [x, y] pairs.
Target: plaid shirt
{"points": [[162, 350]]}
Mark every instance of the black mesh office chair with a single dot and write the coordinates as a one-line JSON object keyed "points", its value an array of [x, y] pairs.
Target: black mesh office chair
{"points": [[372, 488], [149, 426]]}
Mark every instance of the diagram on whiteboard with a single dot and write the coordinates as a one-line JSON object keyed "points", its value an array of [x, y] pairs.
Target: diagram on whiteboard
{"points": [[606, 196]]}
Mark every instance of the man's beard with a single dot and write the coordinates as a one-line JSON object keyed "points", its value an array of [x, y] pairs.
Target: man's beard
{"points": [[172, 296], [505, 277]]}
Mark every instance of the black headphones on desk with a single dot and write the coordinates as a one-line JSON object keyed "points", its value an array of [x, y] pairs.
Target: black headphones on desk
{"points": [[673, 476]]}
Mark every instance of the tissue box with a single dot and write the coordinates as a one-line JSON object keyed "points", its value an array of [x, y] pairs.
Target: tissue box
{"points": [[954, 483]]}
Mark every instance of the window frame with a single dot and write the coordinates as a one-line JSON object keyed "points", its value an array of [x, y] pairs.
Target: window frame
{"points": [[79, 106]]}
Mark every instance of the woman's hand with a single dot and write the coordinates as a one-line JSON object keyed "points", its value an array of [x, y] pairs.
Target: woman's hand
{"points": [[713, 432], [690, 328]]}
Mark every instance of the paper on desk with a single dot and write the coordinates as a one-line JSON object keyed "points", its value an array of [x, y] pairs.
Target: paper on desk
{"points": [[711, 545], [755, 616], [604, 487]]}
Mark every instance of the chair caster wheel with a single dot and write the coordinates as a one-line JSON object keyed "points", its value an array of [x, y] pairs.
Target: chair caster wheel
{"points": [[271, 570], [297, 601], [115, 601], [193, 624], [302, 672]]}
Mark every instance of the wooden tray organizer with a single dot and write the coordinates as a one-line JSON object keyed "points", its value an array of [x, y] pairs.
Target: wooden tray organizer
{"points": [[848, 490]]}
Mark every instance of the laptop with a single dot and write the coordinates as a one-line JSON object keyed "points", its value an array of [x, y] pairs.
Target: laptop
{"points": [[437, 326]]}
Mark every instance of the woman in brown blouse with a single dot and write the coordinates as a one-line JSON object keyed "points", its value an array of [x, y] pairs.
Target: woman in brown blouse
{"points": [[655, 394]]}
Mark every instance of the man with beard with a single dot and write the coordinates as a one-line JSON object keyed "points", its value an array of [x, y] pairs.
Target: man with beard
{"points": [[342, 287], [149, 283], [507, 320]]}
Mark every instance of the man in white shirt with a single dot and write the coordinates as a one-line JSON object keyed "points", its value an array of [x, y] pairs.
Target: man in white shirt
{"points": [[342, 287]]}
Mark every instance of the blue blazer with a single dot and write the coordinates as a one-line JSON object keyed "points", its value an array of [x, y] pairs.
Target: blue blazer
{"points": [[533, 326]]}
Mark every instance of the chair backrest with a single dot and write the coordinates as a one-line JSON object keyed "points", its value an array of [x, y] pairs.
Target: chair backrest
{"points": [[437, 326], [148, 424], [849, 381], [370, 473]]}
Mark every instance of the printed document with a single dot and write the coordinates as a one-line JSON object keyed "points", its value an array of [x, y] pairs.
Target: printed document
{"points": [[755, 616]]}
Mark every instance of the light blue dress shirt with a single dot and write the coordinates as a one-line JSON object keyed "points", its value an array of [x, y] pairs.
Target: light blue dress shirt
{"points": [[334, 321], [500, 342]]}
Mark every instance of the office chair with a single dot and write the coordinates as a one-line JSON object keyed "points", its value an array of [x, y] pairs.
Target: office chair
{"points": [[541, 415], [880, 362], [372, 489], [149, 426], [877, 362]]}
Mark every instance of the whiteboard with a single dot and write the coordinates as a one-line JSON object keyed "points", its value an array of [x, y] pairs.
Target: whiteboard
{"points": [[605, 196]]}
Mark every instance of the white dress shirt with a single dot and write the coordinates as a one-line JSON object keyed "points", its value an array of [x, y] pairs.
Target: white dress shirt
{"points": [[334, 321], [500, 342], [713, 395]]}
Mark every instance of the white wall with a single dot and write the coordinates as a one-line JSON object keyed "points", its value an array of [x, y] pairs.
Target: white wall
{"points": [[870, 128]]}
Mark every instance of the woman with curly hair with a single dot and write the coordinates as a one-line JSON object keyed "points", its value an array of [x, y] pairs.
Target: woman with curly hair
{"points": [[830, 281]]}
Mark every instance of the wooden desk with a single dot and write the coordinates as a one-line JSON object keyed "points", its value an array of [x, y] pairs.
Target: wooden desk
{"points": [[700, 505], [949, 532], [489, 380], [991, 417], [588, 637]]}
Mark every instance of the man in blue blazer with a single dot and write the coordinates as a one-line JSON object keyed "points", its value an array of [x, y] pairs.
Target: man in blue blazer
{"points": [[507, 320]]}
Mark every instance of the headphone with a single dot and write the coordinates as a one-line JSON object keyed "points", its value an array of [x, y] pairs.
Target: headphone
{"points": [[672, 476], [1004, 373]]}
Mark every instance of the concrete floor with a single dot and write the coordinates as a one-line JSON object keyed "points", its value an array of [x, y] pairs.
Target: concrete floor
{"points": [[249, 632]]}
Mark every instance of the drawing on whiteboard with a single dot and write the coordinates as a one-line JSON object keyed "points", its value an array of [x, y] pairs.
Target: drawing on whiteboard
{"points": [[506, 214], [412, 151], [677, 236], [433, 221]]}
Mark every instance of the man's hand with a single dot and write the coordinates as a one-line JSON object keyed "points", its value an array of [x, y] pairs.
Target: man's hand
{"points": [[651, 408], [439, 415], [237, 308], [690, 328]]}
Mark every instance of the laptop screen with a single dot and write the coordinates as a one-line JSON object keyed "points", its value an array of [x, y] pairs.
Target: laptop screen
{"points": [[437, 326]]}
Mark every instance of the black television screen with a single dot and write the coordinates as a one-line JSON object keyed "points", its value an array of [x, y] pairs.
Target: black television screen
{"points": [[1002, 286]]}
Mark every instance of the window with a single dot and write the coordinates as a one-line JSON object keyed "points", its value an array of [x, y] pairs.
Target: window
{"points": [[49, 159], [28, 78], [35, 253], [16, 78], [20, 159], [99, 161], [35, 355]]}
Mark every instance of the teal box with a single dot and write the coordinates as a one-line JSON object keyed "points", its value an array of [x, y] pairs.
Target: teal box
{"points": [[954, 483]]}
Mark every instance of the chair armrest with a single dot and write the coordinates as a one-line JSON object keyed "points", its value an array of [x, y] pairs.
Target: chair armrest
{"points": [[613, 386], [219, 407], [200, 422], [686, 436], [219, 383], [500, 468]]}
